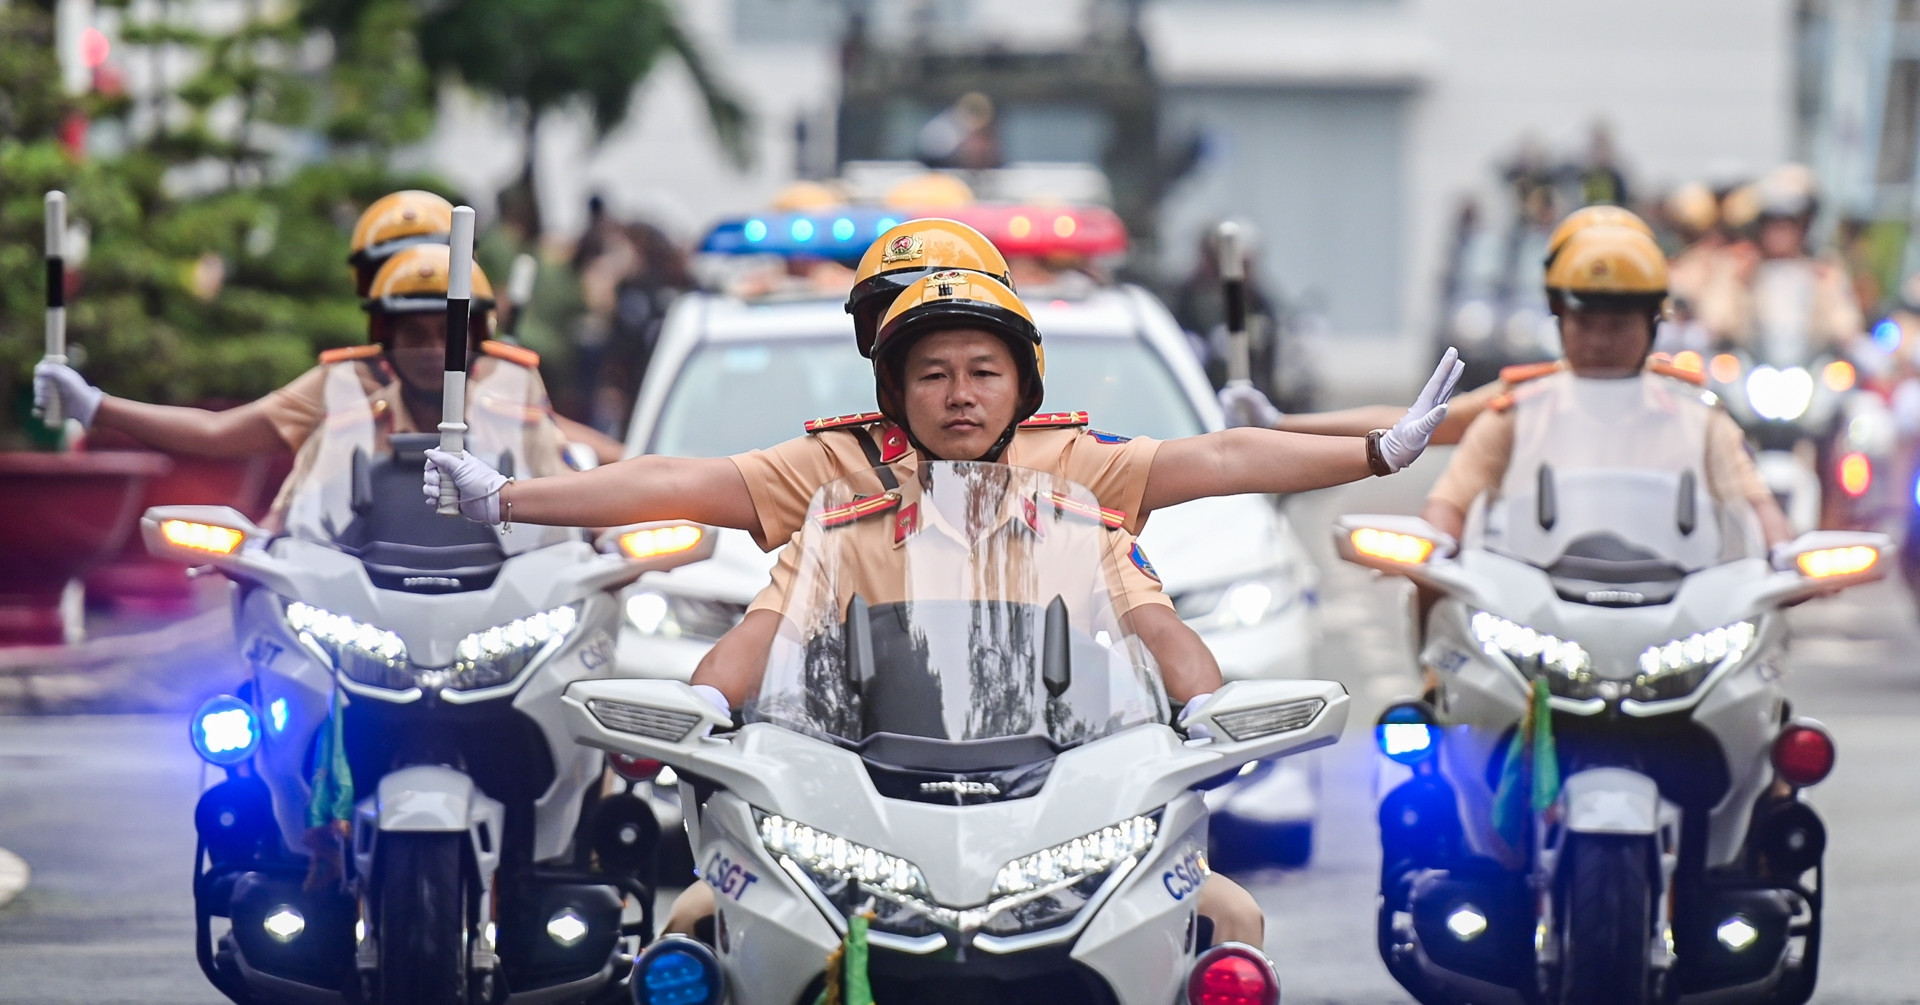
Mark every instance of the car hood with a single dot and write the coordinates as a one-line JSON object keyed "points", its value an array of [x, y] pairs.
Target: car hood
{"points": [[1215, 540]]}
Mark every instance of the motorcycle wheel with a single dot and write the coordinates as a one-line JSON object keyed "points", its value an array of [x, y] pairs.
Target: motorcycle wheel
{"points": [[424, 916], [1608, 922]]}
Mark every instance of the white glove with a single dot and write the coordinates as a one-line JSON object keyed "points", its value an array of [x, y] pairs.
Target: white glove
{"points": [[1244, 405], [1409, 436], [78, 399], [1190, 715], [479, 485]]}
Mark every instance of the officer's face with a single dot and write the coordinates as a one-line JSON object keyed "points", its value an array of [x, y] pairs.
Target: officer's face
{"points": [[961, 391], [1606, 343], [419, 349]]}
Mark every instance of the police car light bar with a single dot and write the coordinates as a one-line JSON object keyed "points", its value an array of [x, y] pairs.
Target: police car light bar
{"points": [[843, 234]]}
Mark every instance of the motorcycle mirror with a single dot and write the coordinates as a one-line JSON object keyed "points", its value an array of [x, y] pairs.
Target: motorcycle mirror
{"points": [[1056, 653], [859, 629]]}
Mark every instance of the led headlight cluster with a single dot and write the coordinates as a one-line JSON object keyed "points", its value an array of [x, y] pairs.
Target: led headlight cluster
{"points": [[1675, 669], [1034, 891], [497, 655], [364, 653], [1565, 666]]}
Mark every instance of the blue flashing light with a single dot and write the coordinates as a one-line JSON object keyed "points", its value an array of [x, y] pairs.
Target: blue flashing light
{"points": [[277, 714], [884, 224], [1406, 734], [1916, 492], [225, 730], [1886, 335], [802, 229], [755, 231], [677, 971], [843, 229]]}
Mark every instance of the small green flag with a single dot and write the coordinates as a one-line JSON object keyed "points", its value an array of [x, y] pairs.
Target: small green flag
{"points": [[332, 798], [1530, 775], [1546, 758], [847, 982]]}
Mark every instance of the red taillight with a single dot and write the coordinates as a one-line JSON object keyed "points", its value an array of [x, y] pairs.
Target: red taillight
{"points": [[1856, 474], [1803, 754], [1233, 975], [634, 769]]}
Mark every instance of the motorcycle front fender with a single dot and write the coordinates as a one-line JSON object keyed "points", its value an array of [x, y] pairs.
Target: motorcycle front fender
{"points": [[429, 798], [1610, 801]]}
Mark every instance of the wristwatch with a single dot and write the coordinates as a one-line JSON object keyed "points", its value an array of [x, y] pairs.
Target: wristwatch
{"points": [[1377, 461]]}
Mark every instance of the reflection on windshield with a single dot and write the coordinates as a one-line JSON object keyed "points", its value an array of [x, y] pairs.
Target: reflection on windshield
{"points": [[1620, 515], [999, 613], [732, 397]]}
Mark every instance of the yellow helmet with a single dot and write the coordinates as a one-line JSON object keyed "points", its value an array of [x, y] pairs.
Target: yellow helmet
{"points": [[414, 281], [1608, 267], [1693, 208], [803, 195], [1592, 216], [908, 252], [393, 222], [932, 190], [950, 299]]}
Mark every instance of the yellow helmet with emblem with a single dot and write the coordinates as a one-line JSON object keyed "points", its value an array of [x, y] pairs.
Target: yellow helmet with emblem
{"points": [[908, 252], [1592, 216], [414, 281], [1608, 268], [396, 221], [954, 299]]}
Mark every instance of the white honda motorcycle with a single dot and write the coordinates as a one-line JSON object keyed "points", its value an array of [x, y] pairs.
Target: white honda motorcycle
{"points": [[1599, 799], [958, 739], [405, 818]]}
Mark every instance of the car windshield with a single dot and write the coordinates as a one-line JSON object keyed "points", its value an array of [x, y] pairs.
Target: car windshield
{"points": [[979, 603], [356, 483], [775, 386]]}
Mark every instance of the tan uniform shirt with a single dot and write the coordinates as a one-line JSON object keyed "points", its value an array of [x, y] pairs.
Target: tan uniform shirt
{"points": [[782, 479], [1480, 463]]}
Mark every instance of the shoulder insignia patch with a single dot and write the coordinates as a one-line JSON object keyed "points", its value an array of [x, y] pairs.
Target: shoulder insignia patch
{"points": [[1140, 562], [1523, 372], [1067, 505], [840, 516], [511, 353], [893, 444], [906, 523], [347, 352], [842, 421], [1102, 436], [1665, 369], [1049, 420]]}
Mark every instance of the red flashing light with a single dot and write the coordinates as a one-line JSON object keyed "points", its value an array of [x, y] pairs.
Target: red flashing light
{"points": [[635, 769], [1231, 975], [1025, 231], [1856, 474], [1803, 755], [94, 47]]}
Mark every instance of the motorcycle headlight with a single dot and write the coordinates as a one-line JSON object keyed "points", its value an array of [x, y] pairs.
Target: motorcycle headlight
{"points": [[1241, 603], [364, 653], [1565, 666], [1675, 669], [1780, 395], [679, 616], [1035, 891], [497, 655]]}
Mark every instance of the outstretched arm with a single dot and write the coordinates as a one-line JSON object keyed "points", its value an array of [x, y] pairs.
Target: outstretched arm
{"points": [[1236, 461], [706, 490], [236, 432]]}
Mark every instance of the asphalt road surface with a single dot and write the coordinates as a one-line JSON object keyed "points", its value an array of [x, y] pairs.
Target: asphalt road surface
{"points": [[101, 807]]}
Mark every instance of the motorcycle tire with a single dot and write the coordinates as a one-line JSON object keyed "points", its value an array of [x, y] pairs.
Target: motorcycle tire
{"points": [[425, 928], [1607, 924]]}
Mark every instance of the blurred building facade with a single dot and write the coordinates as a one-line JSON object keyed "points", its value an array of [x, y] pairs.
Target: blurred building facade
{"points": [[1345, 131]]}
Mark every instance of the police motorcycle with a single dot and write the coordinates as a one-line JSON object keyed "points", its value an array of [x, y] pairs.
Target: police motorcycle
{"points": [[958, 776], [404, 818], [1600, 798]]}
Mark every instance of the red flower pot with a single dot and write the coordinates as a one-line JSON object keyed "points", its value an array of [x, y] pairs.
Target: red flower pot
{"points": [[64, 515]]}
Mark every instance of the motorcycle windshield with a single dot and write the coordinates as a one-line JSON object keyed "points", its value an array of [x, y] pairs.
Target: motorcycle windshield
{"points": [[1622, 535], [356, 482], [978, 602]]}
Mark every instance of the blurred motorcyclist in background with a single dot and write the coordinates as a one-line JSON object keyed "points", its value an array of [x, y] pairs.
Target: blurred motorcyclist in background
{"points": [[1607, 286], [1777, 300]]}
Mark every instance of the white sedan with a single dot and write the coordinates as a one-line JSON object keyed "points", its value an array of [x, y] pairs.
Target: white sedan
{"points": [[730, 375]]}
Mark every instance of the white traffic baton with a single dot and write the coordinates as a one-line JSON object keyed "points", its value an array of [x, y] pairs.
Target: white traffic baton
{"points": [[56, 349], [453, 399]]}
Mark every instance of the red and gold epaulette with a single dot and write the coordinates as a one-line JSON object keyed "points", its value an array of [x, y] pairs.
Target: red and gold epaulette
{"points": [[347, 352], [1502, 403], [843, 421], [511, 353], [1520, 373], [840, 516], [1052, 420], [1666, 369], [1112, 519]]}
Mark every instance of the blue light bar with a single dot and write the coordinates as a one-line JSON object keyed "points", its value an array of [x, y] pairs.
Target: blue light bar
{"points": [[1406, 733], [840, 234]]}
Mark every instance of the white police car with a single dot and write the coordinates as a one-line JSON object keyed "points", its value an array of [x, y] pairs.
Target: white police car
{"points": [[732, 374]]}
